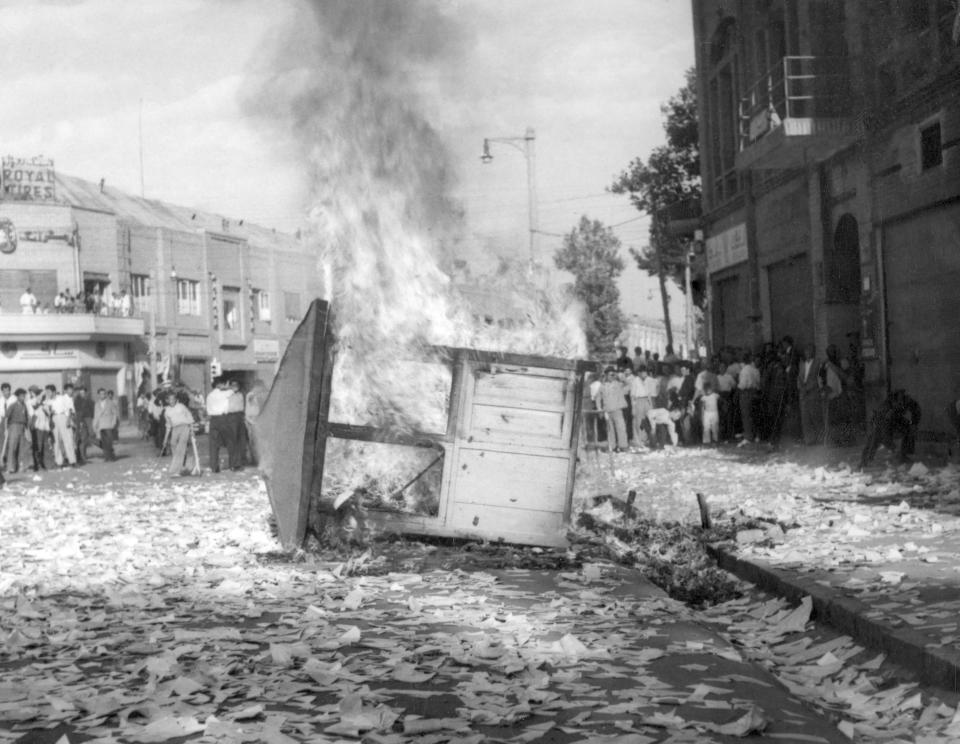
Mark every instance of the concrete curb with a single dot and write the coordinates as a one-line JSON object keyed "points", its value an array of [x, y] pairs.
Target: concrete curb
{"points": [[933, 665]]}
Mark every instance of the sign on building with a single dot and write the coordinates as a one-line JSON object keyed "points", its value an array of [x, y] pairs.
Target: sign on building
{"points": [[266, 349], [28, 179], [727, 248]]}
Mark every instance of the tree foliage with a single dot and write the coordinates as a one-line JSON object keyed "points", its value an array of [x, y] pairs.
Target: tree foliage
{"points": [[661, 184], [591, 252], [669, 176]]}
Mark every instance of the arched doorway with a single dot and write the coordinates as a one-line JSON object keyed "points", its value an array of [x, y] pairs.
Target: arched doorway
{"points": [[841, 264]]}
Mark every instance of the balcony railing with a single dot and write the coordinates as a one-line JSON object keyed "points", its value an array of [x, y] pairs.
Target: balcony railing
{"points": [[53, 326], [795, 88]]}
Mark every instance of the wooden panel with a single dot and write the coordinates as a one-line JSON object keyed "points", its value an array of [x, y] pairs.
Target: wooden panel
{"points": [[534, 391], [289, 427], [509, 525], [511, 481], [517, 425]]}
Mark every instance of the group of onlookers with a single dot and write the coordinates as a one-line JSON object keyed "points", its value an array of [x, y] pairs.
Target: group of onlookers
{"points": [[736, 395], [171, 416], [42, 424], [93, 302]]}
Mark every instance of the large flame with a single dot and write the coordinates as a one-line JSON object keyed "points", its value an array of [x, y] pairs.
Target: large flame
{"points": [[380, 217]]}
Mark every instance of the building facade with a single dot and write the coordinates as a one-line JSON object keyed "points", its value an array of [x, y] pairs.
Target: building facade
{"points": [[199, 291], [830, 144]]}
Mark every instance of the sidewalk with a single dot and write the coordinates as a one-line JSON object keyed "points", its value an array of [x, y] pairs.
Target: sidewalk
{"points": [[881, 562]]}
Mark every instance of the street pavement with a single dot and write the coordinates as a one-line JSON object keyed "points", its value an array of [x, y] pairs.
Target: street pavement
{"points": [[879, 555], [134, 607]]}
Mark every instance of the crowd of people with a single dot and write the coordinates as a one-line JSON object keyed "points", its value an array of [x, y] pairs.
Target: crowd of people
{"points": [[94, 302], [645, 401], [44, 428], [172, 417]]}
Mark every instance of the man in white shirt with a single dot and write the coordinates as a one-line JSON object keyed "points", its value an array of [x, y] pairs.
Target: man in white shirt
{"points": [[28, 302], [749, 386], [218, 408], [641, 402], [62, 415]]}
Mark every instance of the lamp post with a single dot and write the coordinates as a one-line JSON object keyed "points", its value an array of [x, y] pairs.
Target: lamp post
{"points": [[524, 144]]}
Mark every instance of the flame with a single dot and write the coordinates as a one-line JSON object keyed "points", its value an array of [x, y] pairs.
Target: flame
{"points": [[380, 215]]}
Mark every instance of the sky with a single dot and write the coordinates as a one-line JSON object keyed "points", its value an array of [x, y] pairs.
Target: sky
{"points": [[87, 82]]}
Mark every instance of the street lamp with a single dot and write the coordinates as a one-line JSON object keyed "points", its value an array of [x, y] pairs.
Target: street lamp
{"points": [[524, 144]]}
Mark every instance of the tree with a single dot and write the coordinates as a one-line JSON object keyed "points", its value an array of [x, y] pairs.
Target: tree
{"points": [[663, 185], [591, 252]]}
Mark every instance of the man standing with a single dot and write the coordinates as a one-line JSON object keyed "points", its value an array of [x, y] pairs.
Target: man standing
{"points": [[62, 416], [640, 400], [106, 416], [83, 406], [749, 386], [5, 400], [255, 399], [16, 419], [39, 428], [237, 429], [612, 402], [218, 406], [28, 302], [808, 390]]}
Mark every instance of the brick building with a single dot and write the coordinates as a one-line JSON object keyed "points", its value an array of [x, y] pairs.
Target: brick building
{"points": [[831, 183], [202, 288]]}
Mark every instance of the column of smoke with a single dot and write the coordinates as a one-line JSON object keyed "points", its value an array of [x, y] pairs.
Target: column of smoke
{"points": [[343, 81]]}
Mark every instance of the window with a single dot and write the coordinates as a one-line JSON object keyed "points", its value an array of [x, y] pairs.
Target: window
{"points": [[291, 307], [140, 291], [261, 305], [188, 297], [231, 308], [931, 146]]}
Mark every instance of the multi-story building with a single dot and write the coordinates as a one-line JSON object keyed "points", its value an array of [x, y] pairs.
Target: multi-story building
{"points": [[204, 291], [830, 143]]}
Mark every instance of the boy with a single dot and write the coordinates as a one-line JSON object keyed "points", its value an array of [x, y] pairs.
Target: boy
{"points": [[710, 406]]}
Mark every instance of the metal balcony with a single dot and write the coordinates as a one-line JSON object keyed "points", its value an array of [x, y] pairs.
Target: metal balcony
{"points": [[798, 112]]}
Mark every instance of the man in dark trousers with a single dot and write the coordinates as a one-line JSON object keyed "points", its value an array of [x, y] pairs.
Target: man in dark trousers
{"points": [[898, 417], [16, 420], [83, 405], [218, 408]]}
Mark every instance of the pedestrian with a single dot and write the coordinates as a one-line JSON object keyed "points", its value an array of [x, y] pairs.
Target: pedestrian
{"points": [[238, 430], [83, 406], [17, 419], [105, 418], [6, 398], [748, 383], [810, 397], [726, 385], [612, 402], [253, 405], [898, 417], [116, 426], [62, 416], [218, 404], [640, 400], [28, 302], [157, 420], [179, 430], [40, 434], [710, 414]]}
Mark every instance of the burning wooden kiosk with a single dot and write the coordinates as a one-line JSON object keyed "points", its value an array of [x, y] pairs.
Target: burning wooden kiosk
{"points": [[504, 461]]}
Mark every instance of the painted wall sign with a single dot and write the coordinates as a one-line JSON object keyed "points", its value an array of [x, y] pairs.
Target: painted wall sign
{"points": [[29, 179], [727, 248]]}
